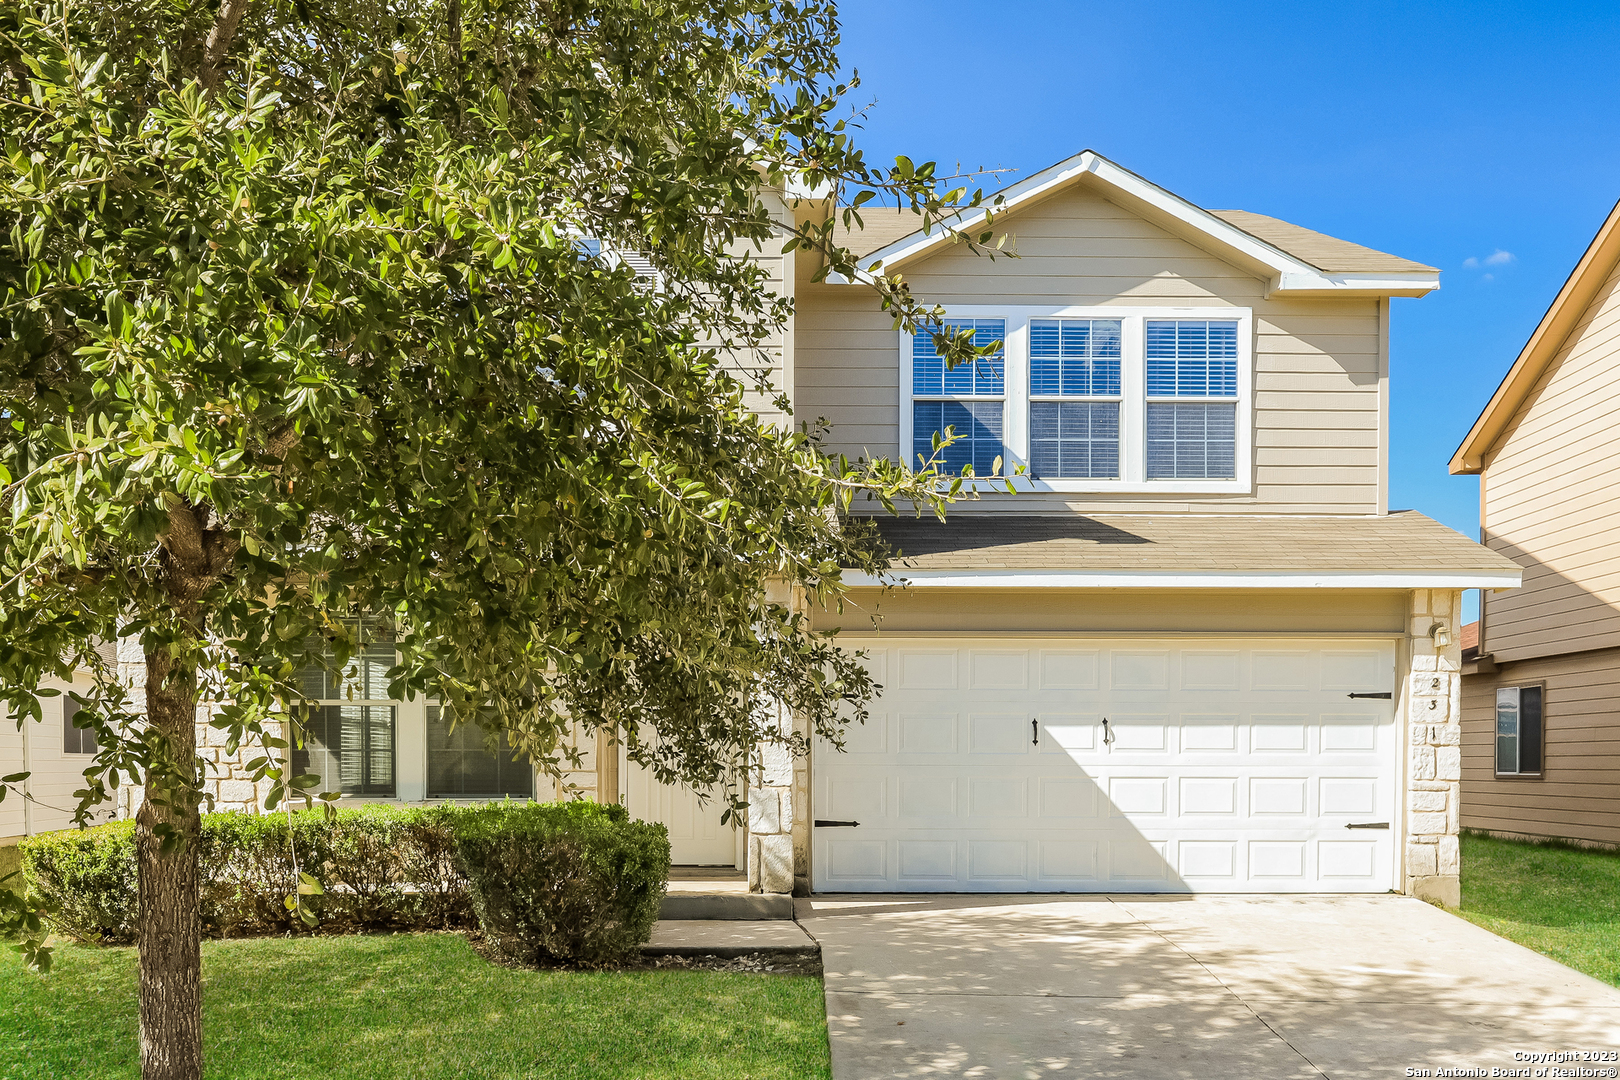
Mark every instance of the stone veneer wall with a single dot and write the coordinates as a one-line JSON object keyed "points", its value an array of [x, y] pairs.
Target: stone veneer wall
{"points": [[778, 822], [1433, 709]]}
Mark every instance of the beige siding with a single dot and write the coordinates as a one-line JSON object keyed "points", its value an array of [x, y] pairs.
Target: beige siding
{"points": [[56, 775], [776, 363], [1550, 498], [1313, 611], [1316, 388], [1578, 796]]}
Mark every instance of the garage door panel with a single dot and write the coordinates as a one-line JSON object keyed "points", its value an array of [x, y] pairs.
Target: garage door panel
{"points": [[1230, 766], [1068, 669]]}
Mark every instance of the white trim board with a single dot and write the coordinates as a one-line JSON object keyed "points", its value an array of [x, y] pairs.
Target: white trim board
{"points": [[1180, 579], [1288, 274]]}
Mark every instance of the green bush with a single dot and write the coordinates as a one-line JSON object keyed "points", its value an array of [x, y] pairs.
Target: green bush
{"points": [[87, 877], [382, 868], [573, 881]]}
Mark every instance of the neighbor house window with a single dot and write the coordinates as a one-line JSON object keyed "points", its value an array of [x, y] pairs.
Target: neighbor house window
{"points": [[1192, 387], [1518, 730], [969, 399], [1074, 397], [76, 740], [348, 724], [460, 765]]}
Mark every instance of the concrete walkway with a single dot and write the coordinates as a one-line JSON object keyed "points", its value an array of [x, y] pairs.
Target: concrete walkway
{"points": [[1207, 987]]}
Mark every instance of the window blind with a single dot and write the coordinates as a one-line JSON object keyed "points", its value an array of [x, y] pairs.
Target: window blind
{"points": [[1074, 357], [986, 376], [1191, 358]]}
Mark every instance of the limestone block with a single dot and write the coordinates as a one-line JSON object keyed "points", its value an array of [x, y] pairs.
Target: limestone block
{"points": [[1449, 663], [1450, 855], [1445, 735], [236, 791], [1423, 763], [753, 864], [1421, 859], [775, 765], [1448, 763], [1440, 604], [1442, 889], [1420, 602], [764, 810], [1426, 801], [1425, 662], [1426, 824], [788, 803], [776, 863]]}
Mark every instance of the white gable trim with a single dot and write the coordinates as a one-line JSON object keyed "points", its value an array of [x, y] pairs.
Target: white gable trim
{"points": [[1181, 579], [1290, 275]]}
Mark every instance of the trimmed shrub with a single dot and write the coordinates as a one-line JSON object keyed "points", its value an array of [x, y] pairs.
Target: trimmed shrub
{"points": [[383, 868], [87, 877], [575, 881]]}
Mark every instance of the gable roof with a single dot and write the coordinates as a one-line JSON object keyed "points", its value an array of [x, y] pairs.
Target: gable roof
{"points": [[1544, 345], [1322, 251], [1275, 250]]}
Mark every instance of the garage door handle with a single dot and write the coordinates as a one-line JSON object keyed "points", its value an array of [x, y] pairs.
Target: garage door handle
{"points": [[821, 823], [1035, 731], [1369, 825], [1383, 695]]}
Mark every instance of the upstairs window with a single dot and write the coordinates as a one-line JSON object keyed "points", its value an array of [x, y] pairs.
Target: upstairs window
{"points": [[1196, 360], [1518, 730], [1074, 397], [969, 398]]}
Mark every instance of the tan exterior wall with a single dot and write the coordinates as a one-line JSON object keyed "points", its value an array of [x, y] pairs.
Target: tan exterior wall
{"points": [[777, 362], [56, 775], [1254, 611], [1550, 499], [1318, 362], [1578, 794]]}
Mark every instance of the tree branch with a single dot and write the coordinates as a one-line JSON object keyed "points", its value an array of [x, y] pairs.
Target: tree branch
{"points": [[219, 42]]}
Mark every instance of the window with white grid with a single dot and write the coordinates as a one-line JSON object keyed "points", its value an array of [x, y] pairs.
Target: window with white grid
{"points": [[968, 400]]}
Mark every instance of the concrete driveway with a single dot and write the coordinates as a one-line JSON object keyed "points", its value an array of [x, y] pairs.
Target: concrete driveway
{"points": [[1199, 987]]}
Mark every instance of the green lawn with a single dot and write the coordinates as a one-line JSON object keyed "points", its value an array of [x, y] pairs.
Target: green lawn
{"points": [[416, 1006], [1559, 901]]}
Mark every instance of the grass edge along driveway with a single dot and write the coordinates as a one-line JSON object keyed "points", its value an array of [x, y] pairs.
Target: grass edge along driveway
{"points": [[417, 1006], [1561, 901]]}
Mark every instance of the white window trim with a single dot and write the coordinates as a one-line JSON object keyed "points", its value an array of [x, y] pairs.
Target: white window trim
{"points": [[1133, 400]]}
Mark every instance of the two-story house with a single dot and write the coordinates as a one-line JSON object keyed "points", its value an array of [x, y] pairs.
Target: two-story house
{"points": [[1541, 703], [1194, 650]]}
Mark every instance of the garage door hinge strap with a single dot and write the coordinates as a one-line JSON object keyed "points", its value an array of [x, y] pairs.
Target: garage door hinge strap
{"points": [[821, 823], [1384, 695], [1369, 825]]}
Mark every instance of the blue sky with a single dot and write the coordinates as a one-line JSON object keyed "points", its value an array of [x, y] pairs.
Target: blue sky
{"points": [[1479, 138]]}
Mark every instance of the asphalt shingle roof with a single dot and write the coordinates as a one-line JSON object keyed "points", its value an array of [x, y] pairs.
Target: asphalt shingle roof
{"points": [[1402, 541]]}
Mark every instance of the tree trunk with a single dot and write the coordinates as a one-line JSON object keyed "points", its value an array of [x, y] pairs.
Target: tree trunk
{"points": [[170, 933]]}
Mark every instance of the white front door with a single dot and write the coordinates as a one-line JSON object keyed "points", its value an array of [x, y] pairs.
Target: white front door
{"points": [[696, 837], [1011, 765]]}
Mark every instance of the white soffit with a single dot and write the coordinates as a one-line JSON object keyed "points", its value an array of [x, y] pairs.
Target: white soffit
{"points": [[1288, 275], [1177, 579]]}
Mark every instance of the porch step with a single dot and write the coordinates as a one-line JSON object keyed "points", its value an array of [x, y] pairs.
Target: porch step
{"points": [[732, 906]]}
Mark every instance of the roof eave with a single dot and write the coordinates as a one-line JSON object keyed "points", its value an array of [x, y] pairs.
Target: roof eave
{"points": [[1286, 275], [1069, 578], [1562, 315]]}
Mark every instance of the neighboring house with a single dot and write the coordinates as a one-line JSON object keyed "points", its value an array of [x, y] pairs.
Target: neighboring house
{"points": [[1541, 699], [1195, 650]]}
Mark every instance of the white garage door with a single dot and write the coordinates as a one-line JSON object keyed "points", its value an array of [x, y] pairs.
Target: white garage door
{"points": [[1012, 765]]}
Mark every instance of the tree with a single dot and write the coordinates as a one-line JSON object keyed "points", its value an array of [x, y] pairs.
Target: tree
{"points": [[311, 310]]}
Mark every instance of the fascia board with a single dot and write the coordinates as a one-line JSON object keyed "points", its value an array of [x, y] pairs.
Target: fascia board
{"points": [[1544, 344], [1369, 284], [1179, 579]]}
